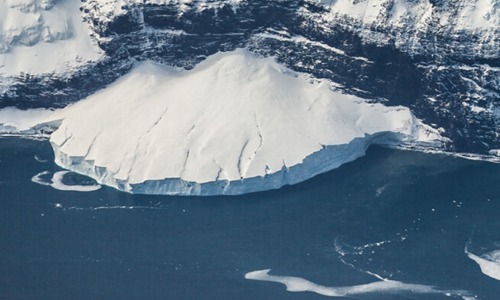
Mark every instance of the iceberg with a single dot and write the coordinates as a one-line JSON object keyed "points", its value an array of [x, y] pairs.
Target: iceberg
{"points": [[234, 124]]}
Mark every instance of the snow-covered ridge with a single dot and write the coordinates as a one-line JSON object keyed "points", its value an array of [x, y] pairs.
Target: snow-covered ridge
{"points": [[43, 36], [418, 27], [234, 124], [106, 10], [461, 14]]}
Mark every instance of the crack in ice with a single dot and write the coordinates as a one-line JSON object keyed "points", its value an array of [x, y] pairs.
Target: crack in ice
{"points": [[158, 120], [259, 146], [240, 157]]}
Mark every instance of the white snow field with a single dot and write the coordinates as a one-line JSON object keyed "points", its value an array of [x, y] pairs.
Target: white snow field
{"points": [[43, 36], [234, 124]]}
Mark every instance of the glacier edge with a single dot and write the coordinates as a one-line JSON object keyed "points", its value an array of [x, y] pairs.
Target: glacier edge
{"points": [[328, 158]]}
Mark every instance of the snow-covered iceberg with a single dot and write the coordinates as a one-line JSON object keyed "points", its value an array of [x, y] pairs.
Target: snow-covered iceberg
{"points": [[234, 124]]}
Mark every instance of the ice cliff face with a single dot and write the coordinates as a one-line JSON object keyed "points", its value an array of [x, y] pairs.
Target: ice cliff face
{"points": [[234, 124]]}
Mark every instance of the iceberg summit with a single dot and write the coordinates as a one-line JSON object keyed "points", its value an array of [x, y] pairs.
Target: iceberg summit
{"points": [[234, 124]]}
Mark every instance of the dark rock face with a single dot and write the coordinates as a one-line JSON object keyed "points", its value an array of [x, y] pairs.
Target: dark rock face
{"points": [[450, 78]]}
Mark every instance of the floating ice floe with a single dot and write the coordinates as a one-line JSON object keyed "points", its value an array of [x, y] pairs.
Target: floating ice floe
{"points": [[57, 182], [488, 262], [39, 159], [298, 284]]}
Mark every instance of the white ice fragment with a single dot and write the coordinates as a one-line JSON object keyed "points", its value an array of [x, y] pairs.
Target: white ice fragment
{"points": [[298, 284], [56, 182], [38, 178], [489, 263], [495, 152], [59, 185], [40, 160]]}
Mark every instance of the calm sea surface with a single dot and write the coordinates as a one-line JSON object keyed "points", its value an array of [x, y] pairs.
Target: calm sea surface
{"points": [[398, 215]]}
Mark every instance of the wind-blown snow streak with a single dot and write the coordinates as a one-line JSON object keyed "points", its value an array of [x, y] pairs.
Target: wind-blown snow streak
{"points": [[298, 284], [232, 125]]}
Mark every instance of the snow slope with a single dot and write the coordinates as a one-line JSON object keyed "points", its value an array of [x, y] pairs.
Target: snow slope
{"points": [[417, 27], [234, 124], [43, 36], [460, 14]]}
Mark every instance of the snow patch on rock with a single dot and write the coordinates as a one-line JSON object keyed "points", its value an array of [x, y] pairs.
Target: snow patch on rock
{"points": [[462, 14], [407, 23], [106, 10]]}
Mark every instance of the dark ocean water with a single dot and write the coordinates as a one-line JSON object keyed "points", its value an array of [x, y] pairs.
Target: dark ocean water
{"points": [[401, 215]]}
